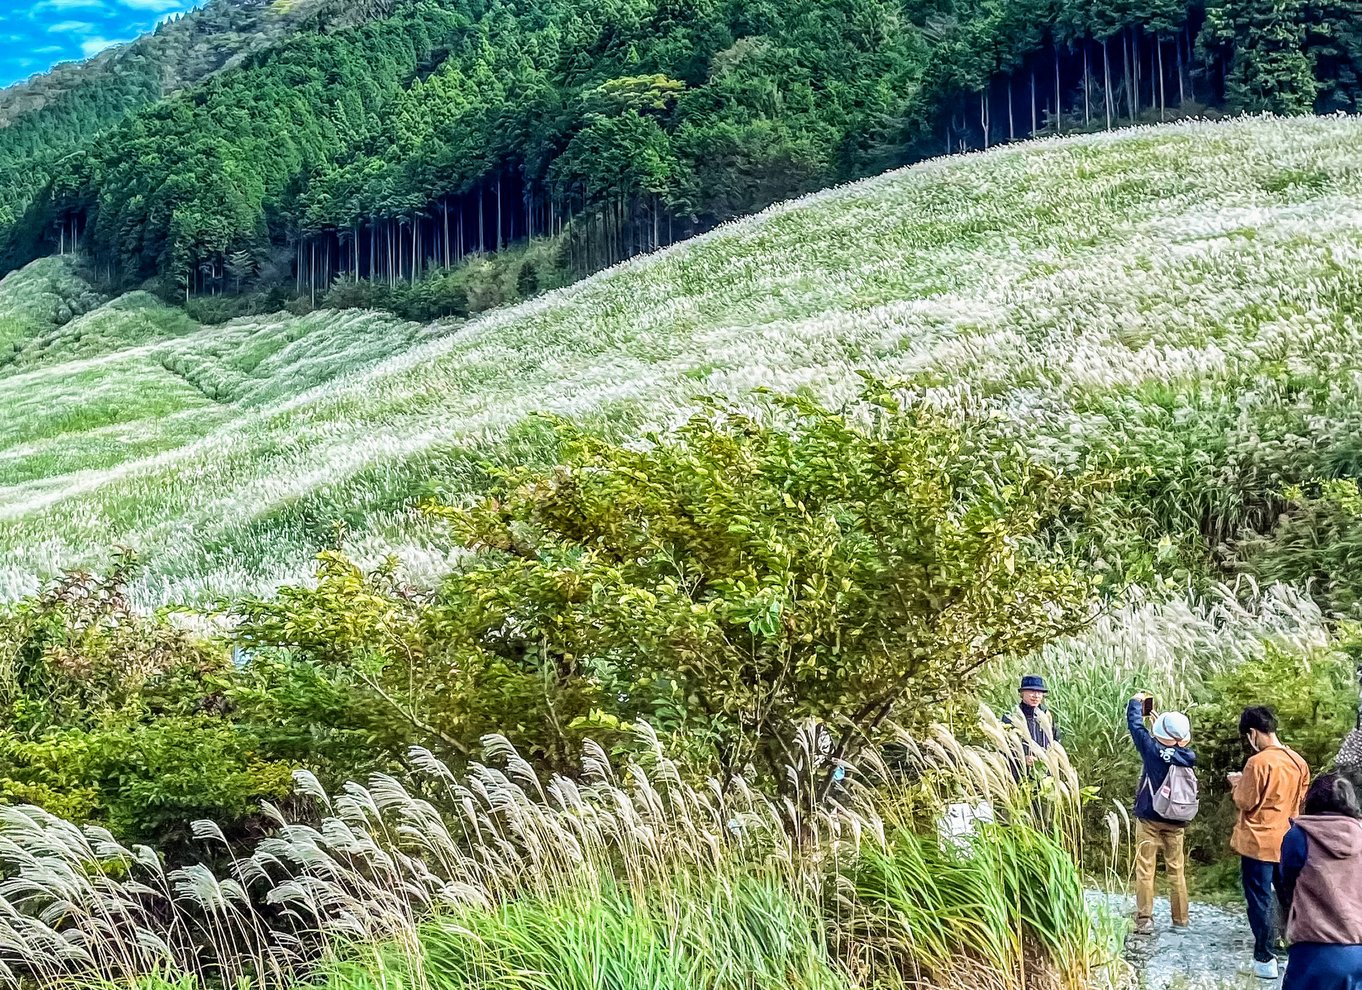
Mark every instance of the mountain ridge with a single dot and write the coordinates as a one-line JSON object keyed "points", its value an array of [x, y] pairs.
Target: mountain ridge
{"points": [[230, 30]]}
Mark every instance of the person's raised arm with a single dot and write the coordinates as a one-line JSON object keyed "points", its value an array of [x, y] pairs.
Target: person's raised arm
{"points": [[1144, 742]]}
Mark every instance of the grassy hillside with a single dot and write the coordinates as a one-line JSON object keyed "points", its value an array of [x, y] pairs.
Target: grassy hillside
{"points": [[1184, 299]]}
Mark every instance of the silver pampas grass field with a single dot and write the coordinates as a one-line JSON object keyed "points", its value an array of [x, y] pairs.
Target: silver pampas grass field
{"points": [[1178, 296]]}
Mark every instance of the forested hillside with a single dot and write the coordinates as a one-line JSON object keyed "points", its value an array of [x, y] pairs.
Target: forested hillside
{"points": [[400, 145], [51, 114]]}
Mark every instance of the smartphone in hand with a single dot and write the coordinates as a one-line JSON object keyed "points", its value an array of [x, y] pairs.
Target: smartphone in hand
{"points": [[1148, 706]]}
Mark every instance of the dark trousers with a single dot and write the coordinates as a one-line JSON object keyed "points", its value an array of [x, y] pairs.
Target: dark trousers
{"points": [[1261, 896]]}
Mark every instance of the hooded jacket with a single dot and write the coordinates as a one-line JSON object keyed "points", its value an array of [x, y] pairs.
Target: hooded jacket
{"points": [[1319, 889], [1157, 758]]}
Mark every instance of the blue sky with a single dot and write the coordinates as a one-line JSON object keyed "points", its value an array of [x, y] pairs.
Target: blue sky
{"points": [[37, 34]]}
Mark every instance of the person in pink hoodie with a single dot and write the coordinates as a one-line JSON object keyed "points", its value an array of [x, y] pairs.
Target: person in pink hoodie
{"points": [[1319, 889]]}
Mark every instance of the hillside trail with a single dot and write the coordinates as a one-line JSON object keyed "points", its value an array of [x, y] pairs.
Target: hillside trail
{"points": [[1206, 956]]}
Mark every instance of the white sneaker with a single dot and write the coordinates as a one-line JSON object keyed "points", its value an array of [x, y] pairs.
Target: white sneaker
{"points": [[1265, 970]]}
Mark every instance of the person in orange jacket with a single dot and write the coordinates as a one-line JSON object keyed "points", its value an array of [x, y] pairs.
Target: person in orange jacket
{"points": [[1268, 794]]}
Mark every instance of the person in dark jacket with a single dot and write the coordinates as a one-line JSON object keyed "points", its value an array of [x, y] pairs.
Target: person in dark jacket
{"points": [[1319, 889], [1160, 749], [1033, 721]]}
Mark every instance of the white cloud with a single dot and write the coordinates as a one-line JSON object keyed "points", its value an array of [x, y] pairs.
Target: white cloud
{"points": [[93, 46], [158, 6], [46, 5], [71, 27]]}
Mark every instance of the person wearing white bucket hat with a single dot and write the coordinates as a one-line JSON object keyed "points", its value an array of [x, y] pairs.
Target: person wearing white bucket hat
{"points": [[1173, 726], [1165, 801]]}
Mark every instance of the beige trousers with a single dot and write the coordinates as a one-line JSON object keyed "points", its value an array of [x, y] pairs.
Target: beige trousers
{"points": [[1151, 840]]}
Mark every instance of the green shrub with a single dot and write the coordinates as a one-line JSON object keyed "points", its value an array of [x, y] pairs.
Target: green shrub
{"points": [[119, 718], [146, 782], [220, 309], [351, 293], [479, 283], [405, 670], [740, 576], [440, 295], [77, 652]]}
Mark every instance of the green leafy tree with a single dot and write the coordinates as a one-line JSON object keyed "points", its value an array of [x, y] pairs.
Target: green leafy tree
{"points": [[1262, 43], [744, 575]]}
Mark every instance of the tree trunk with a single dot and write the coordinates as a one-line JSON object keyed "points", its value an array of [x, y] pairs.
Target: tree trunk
{"points": [[1191, 60], [1106, 72], [1034, 125], [1162, 105], [1087, 88], [983, 115], [1129, 74], [499, 221], [446, 211], [1011, 124], [482, 226], [1138, 58], [1059, 102], [1182, 96]]}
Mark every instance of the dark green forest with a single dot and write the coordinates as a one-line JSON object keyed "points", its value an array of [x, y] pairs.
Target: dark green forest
{"points": [[423, 131], [53, 114]]}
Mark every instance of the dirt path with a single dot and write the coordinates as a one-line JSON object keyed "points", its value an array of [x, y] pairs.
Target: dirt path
{"points": [[1206, 956]]}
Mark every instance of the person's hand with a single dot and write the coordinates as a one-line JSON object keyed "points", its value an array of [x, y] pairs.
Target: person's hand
{"points": [[1140, 696], [1031, 759], [1234, 778]]}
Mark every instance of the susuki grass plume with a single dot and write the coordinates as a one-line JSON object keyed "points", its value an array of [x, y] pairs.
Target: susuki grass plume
{"points": [[498, 878]]}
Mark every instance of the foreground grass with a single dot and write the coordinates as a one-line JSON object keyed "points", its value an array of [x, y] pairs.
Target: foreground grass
{"points": [[742, 932], [626, 877], [1180, 298]]}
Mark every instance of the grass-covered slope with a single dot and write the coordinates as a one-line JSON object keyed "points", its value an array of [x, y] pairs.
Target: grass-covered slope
{"points": [[1183, 297]]}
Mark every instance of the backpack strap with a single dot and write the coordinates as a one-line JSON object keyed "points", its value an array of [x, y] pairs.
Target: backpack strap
{"points": [[1146, 784]]}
